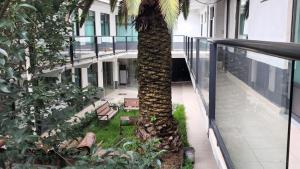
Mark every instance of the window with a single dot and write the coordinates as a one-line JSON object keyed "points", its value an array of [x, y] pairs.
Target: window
{"points": [[202, 25], [130, 32], [243, 16], [90, 24], [105, 25], [123, 31], [93, 75], [89, 27], [211, 21]]}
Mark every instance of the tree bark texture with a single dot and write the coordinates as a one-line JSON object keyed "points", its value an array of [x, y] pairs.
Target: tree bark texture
{"points": [[154, 78]]}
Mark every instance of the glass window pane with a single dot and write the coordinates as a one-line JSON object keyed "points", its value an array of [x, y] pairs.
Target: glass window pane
{"points": [[105, 25], [295, 125], [252, 107], [243, 16], [93, 75], [203, 72]]}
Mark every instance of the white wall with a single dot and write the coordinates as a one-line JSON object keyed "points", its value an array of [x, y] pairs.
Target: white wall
{"points": [[219, 20], [269, 20], [192, 26], [189, 27], [231, 21]]}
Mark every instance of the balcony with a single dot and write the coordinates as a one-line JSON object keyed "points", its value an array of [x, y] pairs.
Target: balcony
{"points": [[88, 48], [247, 90]]}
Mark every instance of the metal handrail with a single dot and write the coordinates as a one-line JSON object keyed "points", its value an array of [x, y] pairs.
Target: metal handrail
{"points": [[290, 51]]}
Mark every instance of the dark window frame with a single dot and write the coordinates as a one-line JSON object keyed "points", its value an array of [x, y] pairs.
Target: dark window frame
{"points": [[104, 17]]}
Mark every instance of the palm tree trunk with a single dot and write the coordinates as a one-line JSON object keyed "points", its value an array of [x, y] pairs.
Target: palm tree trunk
{"points": [[154, 78]]}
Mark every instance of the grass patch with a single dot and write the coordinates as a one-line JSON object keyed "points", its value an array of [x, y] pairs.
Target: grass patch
{"points": [[187, 164], [179, 115], [109, 132]]}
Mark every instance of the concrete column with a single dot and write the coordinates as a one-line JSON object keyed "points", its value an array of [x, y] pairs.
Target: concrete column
{"points": [[98, 23], [84, 77], [58, 79], [81, 29], [100, 74], [113, 28], [73, 75], [116, 73]]}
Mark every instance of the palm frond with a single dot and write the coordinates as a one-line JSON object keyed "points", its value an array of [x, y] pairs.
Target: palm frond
{"points": [[133, 7], [185, 8], [170, 11], [123, 13], [113, 4], [86, 4]]}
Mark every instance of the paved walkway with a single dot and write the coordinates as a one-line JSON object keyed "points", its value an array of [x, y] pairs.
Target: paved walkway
{"points": [[197, 135]]}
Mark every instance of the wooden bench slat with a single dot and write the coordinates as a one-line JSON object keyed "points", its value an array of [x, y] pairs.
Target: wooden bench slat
{"points": [[105, 112], [131, 103]]}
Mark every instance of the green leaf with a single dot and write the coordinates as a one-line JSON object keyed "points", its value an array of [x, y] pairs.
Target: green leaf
{"points": [[6, 23], [86, 6], [113, 4], [2, 61], [170, 11], [10, 72], [4, 88], [133, 7], [3, 52], [185, 7], [22, 18], [27, 6]]}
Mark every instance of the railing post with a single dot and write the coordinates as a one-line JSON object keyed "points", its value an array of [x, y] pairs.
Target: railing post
{"points": [[114, 45], [290, 109], [71, 50], [197, 59], [192, 53], [126, 43], [188, 48], [212, 80], [184, 44], [183, 38], [96, 46]]}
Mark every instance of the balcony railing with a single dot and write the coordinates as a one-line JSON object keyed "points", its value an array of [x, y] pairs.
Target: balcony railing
{"points": [[247, 89], [81, 48]]}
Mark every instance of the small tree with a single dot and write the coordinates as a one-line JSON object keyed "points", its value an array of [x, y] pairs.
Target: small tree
{"points": [[35, 32]]}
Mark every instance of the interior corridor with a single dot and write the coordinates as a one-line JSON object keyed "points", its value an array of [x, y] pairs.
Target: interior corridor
{"points": [[196, 125]]}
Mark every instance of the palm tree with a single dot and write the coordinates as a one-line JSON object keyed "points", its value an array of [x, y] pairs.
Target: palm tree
{"points": [[154, 20]]}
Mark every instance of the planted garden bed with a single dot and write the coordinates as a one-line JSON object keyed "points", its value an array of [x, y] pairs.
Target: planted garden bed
{"points": [[108, 133]]}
